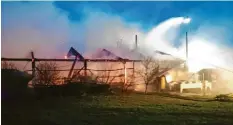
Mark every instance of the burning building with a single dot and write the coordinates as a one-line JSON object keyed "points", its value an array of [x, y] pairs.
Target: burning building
{"points": [[126, 63]]}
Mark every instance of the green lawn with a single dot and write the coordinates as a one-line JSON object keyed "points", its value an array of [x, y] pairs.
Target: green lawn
{"points": [[134, 109]]}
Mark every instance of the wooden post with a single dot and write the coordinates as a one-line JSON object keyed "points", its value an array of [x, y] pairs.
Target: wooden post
{"points": [[133, 72], [125, 77], [72, 67], [125, 74], [33, 67], [85, 68], [203, 82]]}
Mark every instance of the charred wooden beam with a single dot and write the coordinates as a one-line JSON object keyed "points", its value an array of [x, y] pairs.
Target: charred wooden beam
{"points": [[68, 60]]}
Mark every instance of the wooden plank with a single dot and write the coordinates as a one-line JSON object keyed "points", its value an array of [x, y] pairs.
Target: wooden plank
{"points": [[68, 60]]}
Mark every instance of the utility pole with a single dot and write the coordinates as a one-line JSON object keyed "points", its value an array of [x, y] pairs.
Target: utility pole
{"points": [[118, 44], [135, 49], [136, 42], [186, 34]]}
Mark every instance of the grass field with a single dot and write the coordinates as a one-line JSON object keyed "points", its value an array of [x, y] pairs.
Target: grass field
{"points": [[136, 109]]}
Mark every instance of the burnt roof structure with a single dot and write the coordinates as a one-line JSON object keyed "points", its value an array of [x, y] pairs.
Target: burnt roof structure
{"points": [[73, 52]]}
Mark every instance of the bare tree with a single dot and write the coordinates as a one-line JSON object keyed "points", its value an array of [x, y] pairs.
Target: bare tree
{"points": [[8, 65], [47, 73], [149, 71], [106, 76], [126, 84]]}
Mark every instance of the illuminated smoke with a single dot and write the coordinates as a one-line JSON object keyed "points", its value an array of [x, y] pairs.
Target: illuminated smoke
{"points": [[50, 34]]}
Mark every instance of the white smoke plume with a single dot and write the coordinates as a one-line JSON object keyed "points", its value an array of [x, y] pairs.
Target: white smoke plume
{"points": [[49, 33]]}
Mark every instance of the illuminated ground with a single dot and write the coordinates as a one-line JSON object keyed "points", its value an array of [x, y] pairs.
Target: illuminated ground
{"points": [[118, 110]]}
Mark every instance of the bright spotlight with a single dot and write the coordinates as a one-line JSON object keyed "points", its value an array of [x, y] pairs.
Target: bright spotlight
{"points": [[186, 20]]}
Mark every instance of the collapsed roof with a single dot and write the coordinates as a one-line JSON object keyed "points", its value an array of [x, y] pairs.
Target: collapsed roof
{"points": [[125, 53]]}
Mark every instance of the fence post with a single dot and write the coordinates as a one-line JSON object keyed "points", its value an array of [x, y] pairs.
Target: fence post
{"points": [[33, 67], [133, 72], [203, 84], [72, 68], [125, 74], [85, 69]]}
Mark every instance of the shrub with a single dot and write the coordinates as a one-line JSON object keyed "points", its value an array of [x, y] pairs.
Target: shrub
{"points": [[14, 83], [47, 73], [71, 89]]}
